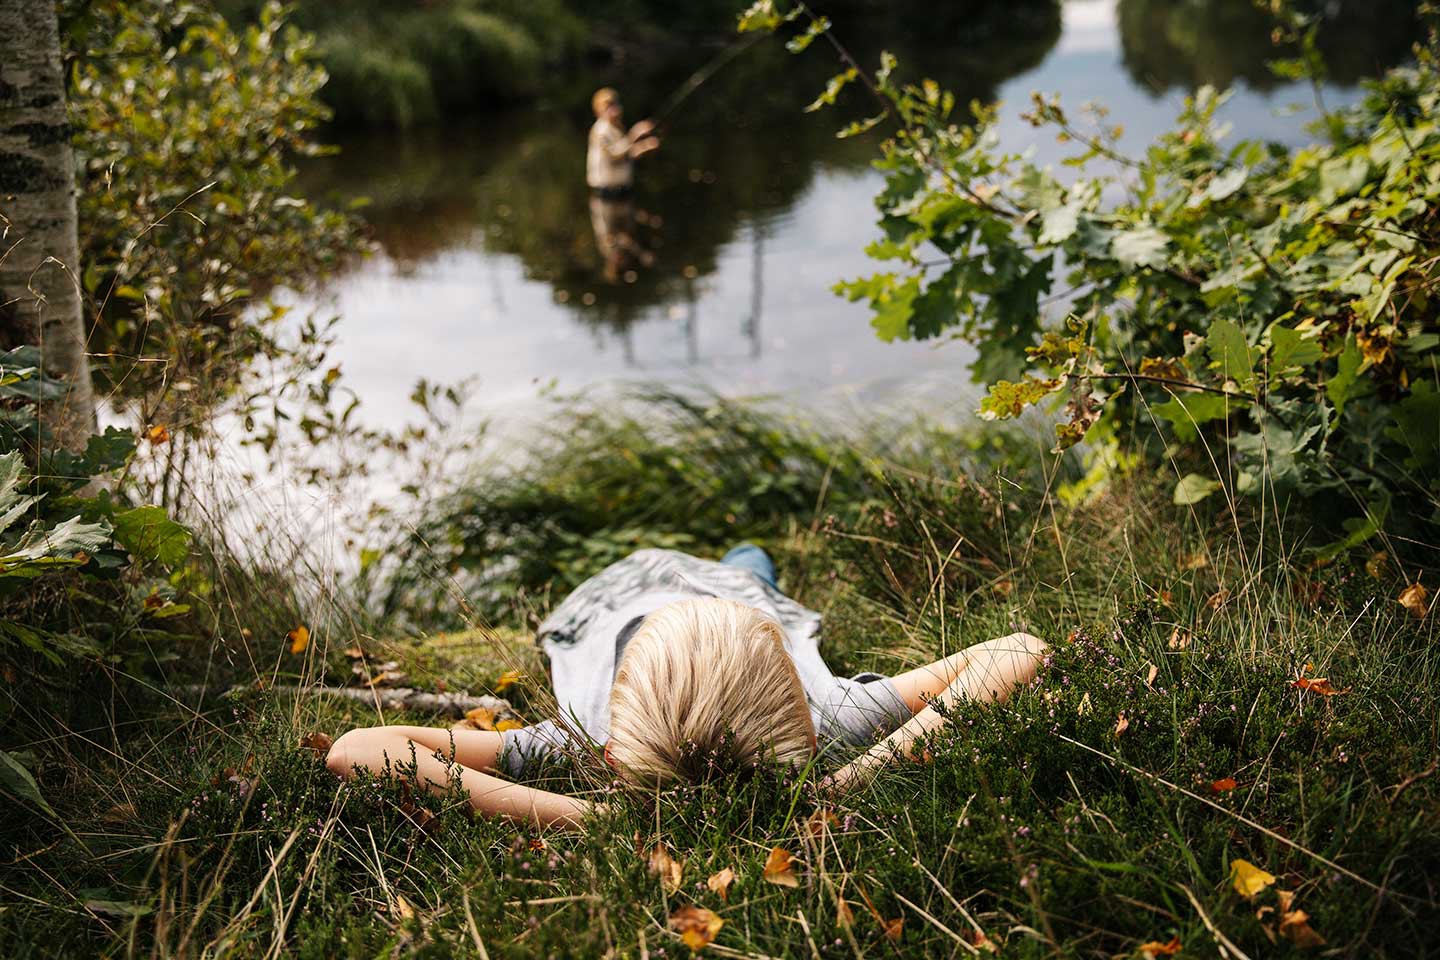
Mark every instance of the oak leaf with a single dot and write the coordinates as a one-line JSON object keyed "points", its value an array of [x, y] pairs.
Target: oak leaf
{"points": [[1249, 879], [696, 925], [780, 868], [720, 881], [299, 638]]}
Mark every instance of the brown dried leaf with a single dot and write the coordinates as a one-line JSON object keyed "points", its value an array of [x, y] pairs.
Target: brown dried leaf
{"points": [[507, 679], [1196, 561], [299, 638], [1179, 638], [317, 743], [1319, 685], [818, 822], [667, 868], [844, 916], [158, 434], [1415, 598], [780, 868], [1122, 723], [978, 939], [402, 909], [1217, 599], [1151, 674], [1155, 949], [720, 883], [354, 653], [894, 928], [696, 925], [1223, 785], [482, 717], [1377, 564]]}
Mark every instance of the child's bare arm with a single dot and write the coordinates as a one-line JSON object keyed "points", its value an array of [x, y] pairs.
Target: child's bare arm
{"points": [[376, 748], [987, 672]]}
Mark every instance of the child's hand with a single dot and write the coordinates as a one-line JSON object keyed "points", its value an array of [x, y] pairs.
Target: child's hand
{"points": [[642, 129]]}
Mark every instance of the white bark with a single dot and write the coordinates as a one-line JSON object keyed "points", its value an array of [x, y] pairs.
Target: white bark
{"points": [[40, 297]]}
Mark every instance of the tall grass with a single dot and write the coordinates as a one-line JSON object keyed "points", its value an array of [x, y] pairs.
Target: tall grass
{"points": [[1092, 814]]}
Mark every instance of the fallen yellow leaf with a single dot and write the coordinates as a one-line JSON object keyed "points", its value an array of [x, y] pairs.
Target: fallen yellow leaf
{"points": [[1223, 785], [720, 883], [696, 925], [299, 638], [780, 868], [509, 724], [158, 434], [507, 679], [1249, 879], [819, 821], [402, 908], [1151, 674]]}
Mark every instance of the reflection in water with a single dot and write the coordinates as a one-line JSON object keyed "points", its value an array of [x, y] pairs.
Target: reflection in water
{"points": [[1221, 42]]}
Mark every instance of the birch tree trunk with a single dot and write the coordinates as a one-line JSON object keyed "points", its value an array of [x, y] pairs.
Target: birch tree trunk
{"points": [[40, 301]]}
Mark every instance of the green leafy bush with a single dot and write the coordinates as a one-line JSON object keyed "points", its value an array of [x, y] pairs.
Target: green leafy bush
{"points": [[1272, 308], [185, 130]]}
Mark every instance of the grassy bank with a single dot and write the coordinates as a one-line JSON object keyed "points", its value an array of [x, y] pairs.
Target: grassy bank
{"points": [[1100, 811]]}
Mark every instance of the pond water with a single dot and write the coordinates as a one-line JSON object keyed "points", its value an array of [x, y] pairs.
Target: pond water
{"points": [[487, 268]]}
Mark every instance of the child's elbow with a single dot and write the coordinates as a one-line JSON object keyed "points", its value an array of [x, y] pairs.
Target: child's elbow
{"points": [[337, 760]]}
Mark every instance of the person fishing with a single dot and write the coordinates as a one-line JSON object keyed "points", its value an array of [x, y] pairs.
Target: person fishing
{"points": [[610, 174]]}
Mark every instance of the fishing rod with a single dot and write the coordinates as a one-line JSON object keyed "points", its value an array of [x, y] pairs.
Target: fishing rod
{"points": [[699, 77]]}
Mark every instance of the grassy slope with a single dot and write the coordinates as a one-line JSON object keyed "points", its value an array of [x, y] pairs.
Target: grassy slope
{"points": [[1038, 823]]}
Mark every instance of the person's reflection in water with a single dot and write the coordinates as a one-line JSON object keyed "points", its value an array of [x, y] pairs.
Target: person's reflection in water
{"points": [[610, 172]]}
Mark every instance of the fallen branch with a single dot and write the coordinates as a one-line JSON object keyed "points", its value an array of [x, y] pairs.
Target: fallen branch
{"points": [[382, 698]]}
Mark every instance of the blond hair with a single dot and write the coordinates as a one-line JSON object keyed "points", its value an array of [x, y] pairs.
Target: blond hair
{"points": [[706, 686], [602, 98]]}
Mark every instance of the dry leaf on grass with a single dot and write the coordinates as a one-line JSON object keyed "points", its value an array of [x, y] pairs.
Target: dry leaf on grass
{"points": [[1292, 924], [1415, 598], [1084, 707], [696, 925], [402, 909], [780, 868], [317, 743], [1153, 949], [510, 724], [1217, 599], [507, 679], [1377, 563], [978, 939], [1318, 685], [1122, 723], [1249, 879], [482, 717], [1179, 639], [844, 916], [354, 653], [299, 638], [667, 868], [720, 883], [821, 820], [894, 928], [1151, 674], [1223, 785], [158, 434]]}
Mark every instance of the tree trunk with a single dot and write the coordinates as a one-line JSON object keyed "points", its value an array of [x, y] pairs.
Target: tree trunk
{"points": [[40, 301]]}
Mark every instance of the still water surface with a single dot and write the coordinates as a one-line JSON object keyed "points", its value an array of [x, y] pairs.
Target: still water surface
{"points": [[487, 268]]}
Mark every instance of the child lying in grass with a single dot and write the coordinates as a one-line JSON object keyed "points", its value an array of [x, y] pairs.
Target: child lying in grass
{"points": [[677, 665]]}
